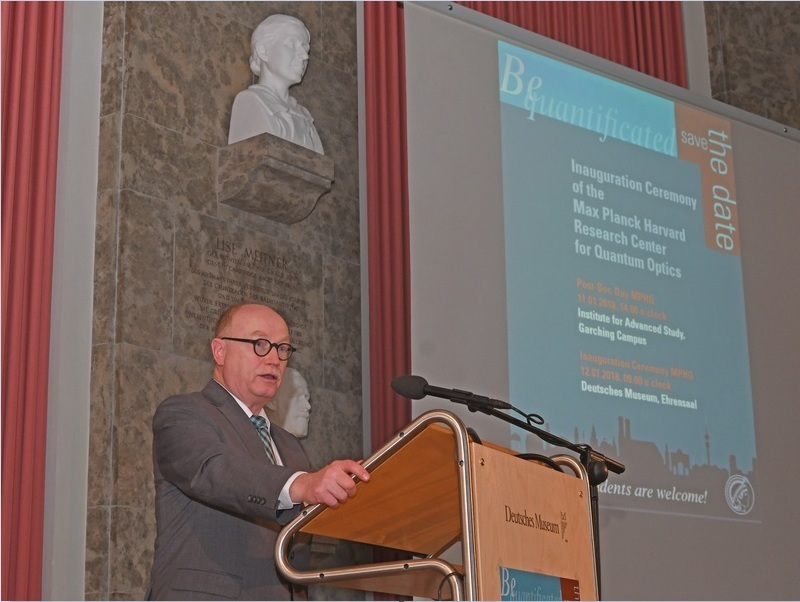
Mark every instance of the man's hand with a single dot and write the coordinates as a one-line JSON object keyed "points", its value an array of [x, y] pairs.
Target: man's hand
{"points": [[330, 485]]}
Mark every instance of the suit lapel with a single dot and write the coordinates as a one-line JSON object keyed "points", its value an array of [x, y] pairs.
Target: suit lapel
{"points": [[231, 411]]}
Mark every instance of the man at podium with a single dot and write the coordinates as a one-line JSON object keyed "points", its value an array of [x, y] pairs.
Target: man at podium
{"points": [[226, 479]]}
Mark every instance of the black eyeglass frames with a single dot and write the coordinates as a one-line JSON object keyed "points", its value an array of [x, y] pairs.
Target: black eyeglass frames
{"points": [[262, 347]]}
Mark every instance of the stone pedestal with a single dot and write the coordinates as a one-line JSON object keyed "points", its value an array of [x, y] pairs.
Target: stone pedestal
{"points": [[273, 178]]}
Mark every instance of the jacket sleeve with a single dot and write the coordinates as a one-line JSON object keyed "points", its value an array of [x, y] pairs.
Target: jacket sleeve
{"points": [[206, 455]]}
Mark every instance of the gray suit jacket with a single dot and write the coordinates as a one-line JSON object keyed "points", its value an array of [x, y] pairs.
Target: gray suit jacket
{"points": [[217, 500]]}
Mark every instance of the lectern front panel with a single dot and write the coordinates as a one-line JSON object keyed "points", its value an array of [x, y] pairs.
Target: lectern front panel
{"points": [[533, 534]]}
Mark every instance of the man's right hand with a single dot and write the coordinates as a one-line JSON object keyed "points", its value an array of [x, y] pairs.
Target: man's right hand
{"points": [[331, 485]]}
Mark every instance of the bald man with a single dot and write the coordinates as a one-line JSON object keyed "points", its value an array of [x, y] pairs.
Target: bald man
{"points": [[225, 484]]}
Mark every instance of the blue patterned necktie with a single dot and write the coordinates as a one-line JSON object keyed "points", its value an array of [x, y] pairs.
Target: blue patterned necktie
{"points": [[263, 431]]}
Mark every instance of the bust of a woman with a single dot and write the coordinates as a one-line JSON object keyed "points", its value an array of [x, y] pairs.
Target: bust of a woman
{"points": [[278, 57]]}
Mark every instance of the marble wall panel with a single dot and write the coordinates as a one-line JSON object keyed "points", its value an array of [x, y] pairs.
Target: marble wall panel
{"points": [[784, 110], [332, 98], [100, 424], [334, 428], [342, 343], [238, 217], [715, 59], [160, 162], [311, 231], [751, 87], [754, 57], [98, 520], [144, 297], [169, 255], [218, 265], [108, 160], [112, 57], [334, 223], [771, 26], [184, 75], [337, 37], [131, 552], [105, 268], [144, 378]]}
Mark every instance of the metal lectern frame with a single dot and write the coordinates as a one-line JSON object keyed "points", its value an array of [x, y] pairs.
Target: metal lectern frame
{"points": [[460, 589], [409, 505]]}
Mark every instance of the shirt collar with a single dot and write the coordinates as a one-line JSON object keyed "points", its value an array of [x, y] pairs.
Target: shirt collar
{"points": [[245, 409]]}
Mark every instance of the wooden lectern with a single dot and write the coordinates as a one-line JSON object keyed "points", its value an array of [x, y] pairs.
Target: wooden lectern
{"points": [[524, 529]]}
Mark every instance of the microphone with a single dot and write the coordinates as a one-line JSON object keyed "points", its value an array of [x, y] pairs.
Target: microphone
{"points": [[416, 387]]}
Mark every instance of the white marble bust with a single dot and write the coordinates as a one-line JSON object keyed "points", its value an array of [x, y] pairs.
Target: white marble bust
{"points": [[278, 57], [291, 406]]}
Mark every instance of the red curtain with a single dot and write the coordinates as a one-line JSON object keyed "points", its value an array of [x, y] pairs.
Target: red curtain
{"points": [[647, 36], [31, 88], [387, 216]]}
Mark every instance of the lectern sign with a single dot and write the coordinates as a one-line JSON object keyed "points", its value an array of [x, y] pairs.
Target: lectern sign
{"points": [[534, 520], [532, 529], [526, 585]]}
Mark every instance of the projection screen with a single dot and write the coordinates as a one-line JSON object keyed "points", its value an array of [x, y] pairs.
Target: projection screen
{"points": [[617, 255]]}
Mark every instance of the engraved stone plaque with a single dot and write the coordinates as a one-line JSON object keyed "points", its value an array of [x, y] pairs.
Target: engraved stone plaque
{"points": [[218, 265]]}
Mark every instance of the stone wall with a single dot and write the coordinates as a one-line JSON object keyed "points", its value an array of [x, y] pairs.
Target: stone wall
{"points": [[170, 253], [754, 57]]}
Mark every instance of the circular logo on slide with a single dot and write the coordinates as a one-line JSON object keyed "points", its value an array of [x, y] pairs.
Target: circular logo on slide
{"points": [[739, 494]]}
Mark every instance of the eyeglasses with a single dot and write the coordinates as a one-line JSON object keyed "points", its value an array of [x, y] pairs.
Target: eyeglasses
{"points": [[262, 347]]}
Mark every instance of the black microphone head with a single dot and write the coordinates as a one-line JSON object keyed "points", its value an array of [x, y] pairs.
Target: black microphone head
{"points": [[410, 386]]}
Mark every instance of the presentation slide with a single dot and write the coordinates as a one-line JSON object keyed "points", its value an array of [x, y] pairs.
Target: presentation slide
{"points": [[625, 311], [619, 256]]}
